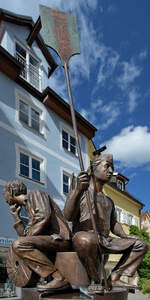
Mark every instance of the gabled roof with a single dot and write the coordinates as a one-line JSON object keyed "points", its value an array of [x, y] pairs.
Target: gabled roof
{"points": [[145, 214], [125, 193], [12, 68], [28, 21], [121, 177]]}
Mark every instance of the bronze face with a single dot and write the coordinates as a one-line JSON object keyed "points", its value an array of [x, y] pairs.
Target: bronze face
{"points": [[104, 170], [11, 200]]}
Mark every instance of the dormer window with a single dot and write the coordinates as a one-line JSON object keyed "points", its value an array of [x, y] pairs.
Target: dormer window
{"points": [[120, 184], [31, 66]]}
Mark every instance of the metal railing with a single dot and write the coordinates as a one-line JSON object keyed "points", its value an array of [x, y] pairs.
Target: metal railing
{"points": [[30, 72]]}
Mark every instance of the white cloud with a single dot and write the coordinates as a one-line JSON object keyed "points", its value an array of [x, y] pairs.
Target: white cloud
{"points": [[73, 5], [94, 54], [108, 62], [89, 115], [102, 115], [132, 175], [97, 105], [133, 96], [131, 147], [130, 71], [110, 118], [32, 7], [83, 63], [143, 54], [58, 84]]}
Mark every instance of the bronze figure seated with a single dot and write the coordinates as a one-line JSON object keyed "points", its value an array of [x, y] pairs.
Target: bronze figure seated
{"points": [[84, 239], [46, 233]]}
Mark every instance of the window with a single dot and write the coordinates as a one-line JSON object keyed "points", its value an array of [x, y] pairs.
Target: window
{"points": [[118, 212], [135, 221], [29, 165], [31, 66], [129, 219], [23, 112], [113, 179], [30, 116], [7, 287], [120, 185], [124, 217], [68, 142], [66, 182]]}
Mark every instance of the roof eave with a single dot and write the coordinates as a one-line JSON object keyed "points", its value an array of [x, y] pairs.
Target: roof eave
{"points": [[62, 108], [28, 21], [9, 65]]}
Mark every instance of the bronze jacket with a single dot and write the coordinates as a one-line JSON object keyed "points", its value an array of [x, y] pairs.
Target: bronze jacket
{"points": [[45, 217], [105, 218]]}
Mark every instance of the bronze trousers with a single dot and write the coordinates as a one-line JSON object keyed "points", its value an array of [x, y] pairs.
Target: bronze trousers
{"points": [[36, 252], [133, 251]]}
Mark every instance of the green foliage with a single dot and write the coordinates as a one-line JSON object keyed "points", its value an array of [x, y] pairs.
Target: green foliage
{"points": [[145, 235], [146, 287], [144, 268], [141, 233], [144, 273], [146, 261], [141, 282], [134, 230]]}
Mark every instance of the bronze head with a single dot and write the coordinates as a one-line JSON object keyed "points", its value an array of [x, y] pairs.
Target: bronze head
{"points": [[12, 189], [102, 167]]}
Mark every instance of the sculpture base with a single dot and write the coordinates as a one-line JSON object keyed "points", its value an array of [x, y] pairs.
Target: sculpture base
{"points": [[32, 294]]}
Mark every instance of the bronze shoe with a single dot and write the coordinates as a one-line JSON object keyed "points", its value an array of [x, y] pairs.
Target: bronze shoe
{"points": [[121, 283], [95, 289], [54, 285]]}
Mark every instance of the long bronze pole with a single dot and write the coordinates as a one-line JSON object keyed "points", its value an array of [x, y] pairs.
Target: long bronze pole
{"points": [[65, 65]]}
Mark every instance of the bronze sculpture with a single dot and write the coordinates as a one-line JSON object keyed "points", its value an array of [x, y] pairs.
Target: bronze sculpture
{"points": [[84, 241], [46, 233]]}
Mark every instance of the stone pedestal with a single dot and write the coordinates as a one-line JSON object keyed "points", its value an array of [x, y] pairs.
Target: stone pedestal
{"points": [[32, 294]]}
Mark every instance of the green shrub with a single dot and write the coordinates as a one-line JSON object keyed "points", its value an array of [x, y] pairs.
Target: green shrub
{"points": [[144, 268], [146, 287], [141, 282]]}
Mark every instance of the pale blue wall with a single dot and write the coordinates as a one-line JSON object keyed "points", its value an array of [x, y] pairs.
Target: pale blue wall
{"points": [[13, 132]]}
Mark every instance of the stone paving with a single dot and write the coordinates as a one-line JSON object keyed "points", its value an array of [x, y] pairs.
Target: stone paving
{"points": [[138, 296]]}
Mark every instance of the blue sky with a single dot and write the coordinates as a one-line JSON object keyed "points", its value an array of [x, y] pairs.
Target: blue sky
{"points": [[110, 79]]}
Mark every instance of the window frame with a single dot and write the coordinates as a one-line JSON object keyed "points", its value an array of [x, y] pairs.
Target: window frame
{"points": [[31, 155], [129, 219], [68, 173], [28, 64], [118, 210], [20, 97], [70, 135], [120, 184], [135, 221], [69, 178]]}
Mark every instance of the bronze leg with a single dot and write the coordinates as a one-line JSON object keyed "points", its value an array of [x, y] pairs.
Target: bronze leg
{"points": [[130, 260], [84, 244], [33, 250]]}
